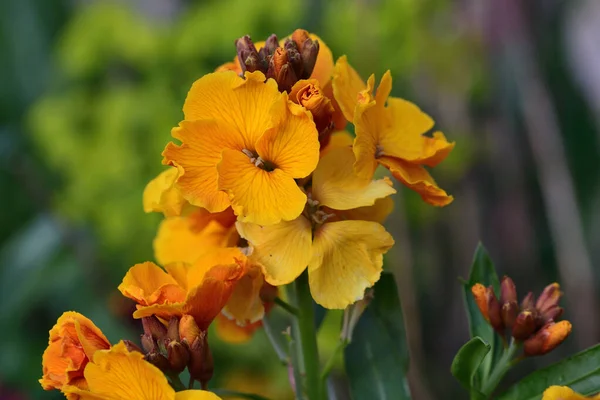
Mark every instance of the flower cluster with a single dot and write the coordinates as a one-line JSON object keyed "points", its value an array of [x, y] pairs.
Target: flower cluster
{"points": [[262, 185], [533, 322]]}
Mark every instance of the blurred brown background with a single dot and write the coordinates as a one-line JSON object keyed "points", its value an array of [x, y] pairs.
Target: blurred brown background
{"points": [[90, 89]]}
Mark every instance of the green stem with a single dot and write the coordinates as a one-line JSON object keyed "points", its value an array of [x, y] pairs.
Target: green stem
{"points": [[176, 383], [500, 369], [305, 335], [233, 393], [331, 362], [275, 343], [291, 309]]}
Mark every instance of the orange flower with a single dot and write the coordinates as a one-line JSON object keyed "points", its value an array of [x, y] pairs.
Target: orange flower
{"points": [[200, 290], [564, 393], [390, 135], [73, 341], [327, 237], [243, 144], [162, 195], [118, 374]]}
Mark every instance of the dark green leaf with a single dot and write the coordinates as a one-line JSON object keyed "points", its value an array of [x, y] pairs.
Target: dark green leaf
{"points": [[377, 358], [482, 271], [467, 361], [580, 372]]}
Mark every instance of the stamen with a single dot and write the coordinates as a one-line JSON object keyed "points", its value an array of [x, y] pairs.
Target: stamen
{"points": [[378, 151], [320, 217], [259, 162], [311, 202]]}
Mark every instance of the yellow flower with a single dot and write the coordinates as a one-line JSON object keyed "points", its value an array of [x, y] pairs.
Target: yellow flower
{"points": [[243, 144], [200, 290], [72, 343], [390, 135], [118, 374], [564, 393], [344, 256]]}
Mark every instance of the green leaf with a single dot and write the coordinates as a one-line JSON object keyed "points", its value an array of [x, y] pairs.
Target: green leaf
{"points": [[377, 358], [580, 372], [467, 361], [482, 271]]}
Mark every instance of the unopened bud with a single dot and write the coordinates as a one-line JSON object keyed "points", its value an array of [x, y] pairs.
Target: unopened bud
{"points": [[528, 302], [154, 327], [201, 364], [247, 54], [148, 343], [550, 336], [271, 44], [131, 347], [524, 325], [480, 294], [178, 356], [173, 329], [494, 311], [159, 361], [508, 290], [509, 313], [549, 297], [307, 93], [309, 54], [551, 314], [299, 37], [188, 329]]}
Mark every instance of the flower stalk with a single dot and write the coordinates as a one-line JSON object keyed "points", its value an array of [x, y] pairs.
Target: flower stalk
{"points": [[501, 368]]}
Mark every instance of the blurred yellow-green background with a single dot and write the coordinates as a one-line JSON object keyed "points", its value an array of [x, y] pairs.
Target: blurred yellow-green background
{"points": [[90, 89]]}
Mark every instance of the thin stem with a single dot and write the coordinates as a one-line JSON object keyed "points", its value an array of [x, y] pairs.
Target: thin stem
{"points": [[305, 335], [500, 369], [233, 393], [331, 362], [287, 307], [281, 354], [176, 383]]}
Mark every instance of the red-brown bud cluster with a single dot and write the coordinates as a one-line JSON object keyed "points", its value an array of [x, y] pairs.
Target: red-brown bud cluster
{"points": [[287, 64], [533, 322], [179, 345]]}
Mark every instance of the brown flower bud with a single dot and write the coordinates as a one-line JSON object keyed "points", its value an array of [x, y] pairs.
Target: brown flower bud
{"points": [[509, 313], [508, 290], [247, 54], [308, 48], [148, 343], [178, 356], [480, 294], [524, 325], [131, 347], [159, 361], [552, 313], [201, 364], [528, 302], [173, 329], [549, 298], [299, 37], [271, 44], [188, 329], [154, 327], [308, 94], [550, 336], [494, 310]]}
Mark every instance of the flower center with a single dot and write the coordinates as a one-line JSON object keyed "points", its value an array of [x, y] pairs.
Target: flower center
{"points": [[314, 213], [258, 161]]}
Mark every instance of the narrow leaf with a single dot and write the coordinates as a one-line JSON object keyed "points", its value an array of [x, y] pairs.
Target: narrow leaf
{"points": [[377, 358], [580, 372], [467, 361]]}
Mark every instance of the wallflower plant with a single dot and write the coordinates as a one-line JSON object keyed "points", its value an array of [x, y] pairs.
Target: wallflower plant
{"points": [[268, 201]]}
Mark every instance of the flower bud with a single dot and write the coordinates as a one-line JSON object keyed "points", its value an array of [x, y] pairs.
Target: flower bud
{"points": [[131, 347], [552, 313], [528, 302], [201, 364], [508, 290], [148, 343], [494, 310], [309, 50], [247, 54], [480, 294], [546, 340], [308, 94], [153, 327], [159, 361], [178, 356], [524, 325], [281, 70], [299, 37], [509, 313], [173, 329], [188, 329], [549, 297]]}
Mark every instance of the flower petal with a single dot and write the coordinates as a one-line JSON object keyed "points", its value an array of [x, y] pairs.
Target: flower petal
{"points": [[243, 104], [561, 393], [283, 250], [324, 65], [292, 143], [217, 256], [347, 259], [147, 284], [245, 305], [229, 331], [161, 195], [196, 395], [336, 186], [338, 139], [378, 212], [256, 195], [418, 179], [164, 310], [346, 86]]}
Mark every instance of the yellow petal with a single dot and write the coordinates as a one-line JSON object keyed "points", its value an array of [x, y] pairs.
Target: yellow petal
{"points": [[147, 284], [119, 374], [245, 305], [347, 259], [161, 195], [241, 103], [197, 158], [561, 393], [338, 139], [404, 138], [256, 195], [324, 65], [335, 184], [346, 86], [418, 179], [163, 310], [229, 331], [283, 250], [292, 144], [196, 395], [216, 256], [378, 212]]}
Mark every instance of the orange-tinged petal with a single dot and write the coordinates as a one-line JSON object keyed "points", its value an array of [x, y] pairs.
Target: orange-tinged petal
{"points": [[378, 212], [118, 374], [206, 301], [231, 66], [229, 331], [161, 195], [197, 158], [324, 65], [148, 284], [346, 86], [338, 119], [256, 195], [418, 179], [283, 250], [335, 184], [216, 256], [196, 395], [347, 259], [562, 393], [245, 305], [164, 310], [241, 103], [338, 139], [292, 144]]}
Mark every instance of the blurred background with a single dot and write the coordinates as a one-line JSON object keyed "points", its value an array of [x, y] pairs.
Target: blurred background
{"points": [[90, 89]]}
